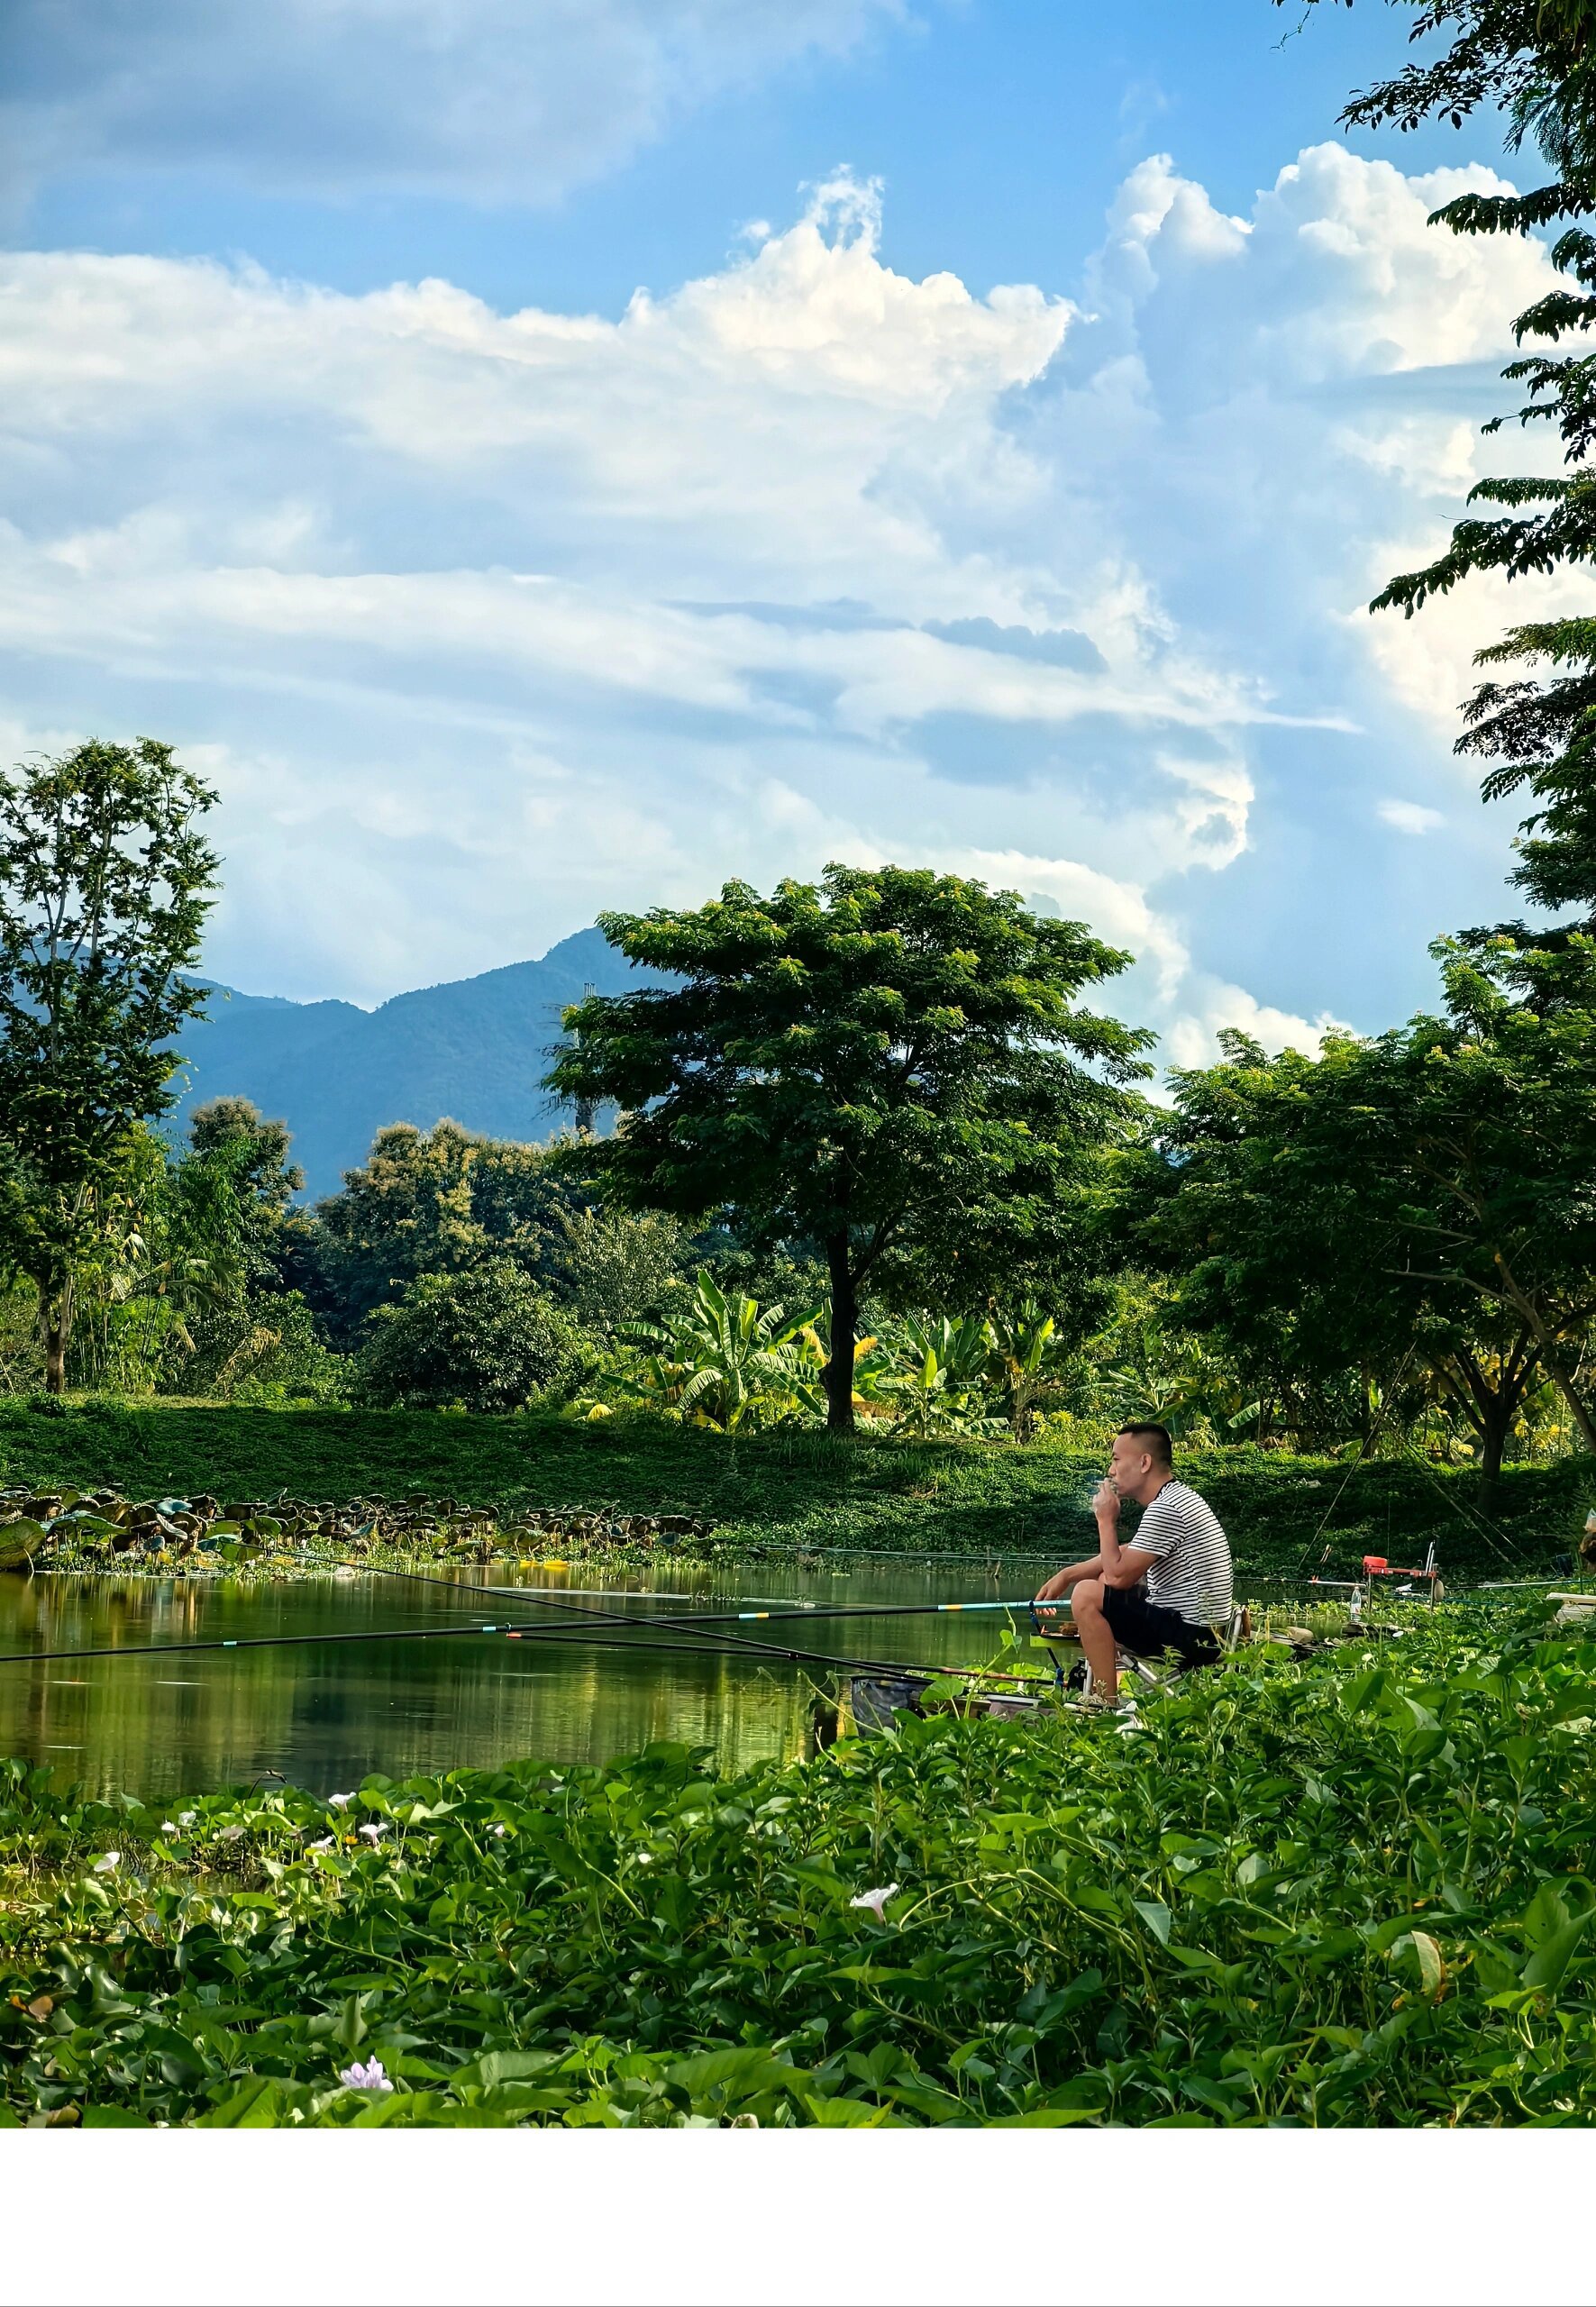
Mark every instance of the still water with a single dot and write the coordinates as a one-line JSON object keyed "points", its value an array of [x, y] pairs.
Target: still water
{"points": [[324, 1716]]}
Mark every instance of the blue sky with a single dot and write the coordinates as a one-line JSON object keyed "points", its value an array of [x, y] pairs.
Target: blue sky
{"points": [[539, 454]]}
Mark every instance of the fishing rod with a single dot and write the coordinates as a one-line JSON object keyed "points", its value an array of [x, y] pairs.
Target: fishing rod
{"points": [[689, 1644], [691, 1622], [550, 1597]]}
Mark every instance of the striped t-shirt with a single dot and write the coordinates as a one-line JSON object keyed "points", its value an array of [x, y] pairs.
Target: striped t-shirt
{"points": [[1192, 1574]]}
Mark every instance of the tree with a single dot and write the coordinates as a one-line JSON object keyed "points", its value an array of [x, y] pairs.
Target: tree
{"points": [[1287, 1201], [1537, 60], [259, 1341], [1425, 1195], [487, 1337], [258, 1152], [1491, 1112], [168, 1255], [105, 882], [888, 1066], [431, 1201], [612, 1267]]}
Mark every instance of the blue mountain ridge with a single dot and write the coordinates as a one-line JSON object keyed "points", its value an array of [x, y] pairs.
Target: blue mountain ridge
{"points": [[471, 1052]]}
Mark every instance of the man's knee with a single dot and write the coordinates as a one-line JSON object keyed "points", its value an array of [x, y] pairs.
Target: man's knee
{"points": [[1087, 1598]]}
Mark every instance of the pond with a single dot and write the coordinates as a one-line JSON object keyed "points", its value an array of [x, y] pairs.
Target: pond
{"points": [[323, 1714]]}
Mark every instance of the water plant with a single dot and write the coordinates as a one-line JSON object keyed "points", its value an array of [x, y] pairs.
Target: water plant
{"points": [[1348, 1890]]}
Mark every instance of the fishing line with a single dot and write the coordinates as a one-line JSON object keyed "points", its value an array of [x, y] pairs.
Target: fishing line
{"points": [[1460, 1507], [1367, 1445], [691, 1622]]}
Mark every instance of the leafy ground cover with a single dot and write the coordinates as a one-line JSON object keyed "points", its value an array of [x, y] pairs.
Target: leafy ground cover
{"points": [[283, 1537], [794, 1488], [1349, 1891]]}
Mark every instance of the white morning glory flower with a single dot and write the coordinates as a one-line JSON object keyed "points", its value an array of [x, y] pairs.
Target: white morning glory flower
{"points": [[500, 1832], [369, 2077], [875, 1900], [372, 1832], [187, 1818], [166, 1826], [325, 1844], [107, 1861]]}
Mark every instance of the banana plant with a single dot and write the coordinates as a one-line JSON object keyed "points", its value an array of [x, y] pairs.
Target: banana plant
{"points": [[1026, 1354], [723, 1363], [933, 1372]]}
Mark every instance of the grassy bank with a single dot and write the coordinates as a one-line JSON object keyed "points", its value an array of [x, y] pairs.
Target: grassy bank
{"points": [[786, 1489], [1343, 1891]]}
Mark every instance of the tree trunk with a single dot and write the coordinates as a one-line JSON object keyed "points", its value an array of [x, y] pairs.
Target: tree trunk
{"points": [[55, 1328], [1550, 1353], [844, 1323], [1496, 1419]]}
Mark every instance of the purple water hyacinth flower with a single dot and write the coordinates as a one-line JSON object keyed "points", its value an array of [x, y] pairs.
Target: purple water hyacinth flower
{"points": [[875, 1899], [369, 2077]]}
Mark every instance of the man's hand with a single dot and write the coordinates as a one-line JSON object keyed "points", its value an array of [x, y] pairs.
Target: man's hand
{"points": [[1060, 1583], [1106, 1504]]}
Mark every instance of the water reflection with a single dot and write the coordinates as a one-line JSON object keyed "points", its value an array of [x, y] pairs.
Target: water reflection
{"points": [[324, 1715]]}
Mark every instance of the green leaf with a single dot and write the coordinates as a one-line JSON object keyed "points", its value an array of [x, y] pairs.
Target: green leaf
{"points": [[1552, 1957], [1432, 1970], [258, 2106], [1157, 1916]]}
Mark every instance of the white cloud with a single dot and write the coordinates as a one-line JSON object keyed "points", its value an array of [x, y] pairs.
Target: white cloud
{"points": [[1410, 817], [485, 620], [1192, 1038], [499, 99]]}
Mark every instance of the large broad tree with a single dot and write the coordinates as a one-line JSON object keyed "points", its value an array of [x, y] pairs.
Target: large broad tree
{"points": [[888, 1065], [1433, 1183], [105, 883], [1307, 1211], [438, 1200]]}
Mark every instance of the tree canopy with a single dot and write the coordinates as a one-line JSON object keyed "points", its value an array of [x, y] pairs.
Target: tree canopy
{"points": [[888, 1065], [104, 884], [436, 1201], [1536, 60]]}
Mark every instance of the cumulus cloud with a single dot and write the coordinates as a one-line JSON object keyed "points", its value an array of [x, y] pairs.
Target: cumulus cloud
{"points": [[485, 620], [1192, 1038], [496, 99]]}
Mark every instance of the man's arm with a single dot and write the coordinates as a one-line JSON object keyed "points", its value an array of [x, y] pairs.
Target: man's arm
{"points": [[1063, 1580], [1121, 1566], [1131, 1567]]}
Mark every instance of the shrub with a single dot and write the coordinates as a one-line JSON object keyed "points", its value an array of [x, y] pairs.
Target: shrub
{"points": [[488, 1339]]}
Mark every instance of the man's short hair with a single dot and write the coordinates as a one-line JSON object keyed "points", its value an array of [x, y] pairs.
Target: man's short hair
{"points": [[1155, 1440]]}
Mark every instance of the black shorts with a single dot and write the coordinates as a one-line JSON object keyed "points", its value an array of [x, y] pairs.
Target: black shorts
{"points": [[1149, 1629]]}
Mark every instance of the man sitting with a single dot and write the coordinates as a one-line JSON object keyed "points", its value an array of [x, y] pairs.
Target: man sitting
{"points": [[1180, 1551]]}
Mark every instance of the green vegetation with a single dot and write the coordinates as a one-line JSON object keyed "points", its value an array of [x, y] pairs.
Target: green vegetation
{"points": [[796, 1487], [1349, 1891], [105, 885], [890, 1067]]}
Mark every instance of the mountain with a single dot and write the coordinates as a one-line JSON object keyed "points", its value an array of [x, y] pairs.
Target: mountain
{"points": [[473, 1051]]}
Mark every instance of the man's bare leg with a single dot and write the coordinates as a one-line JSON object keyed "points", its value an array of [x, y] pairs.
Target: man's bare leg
{"points": [[1097, 1636]]}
